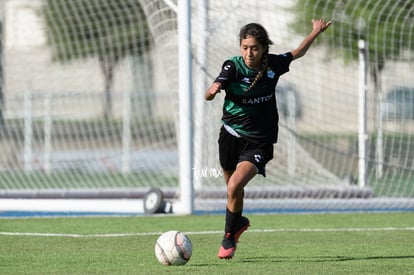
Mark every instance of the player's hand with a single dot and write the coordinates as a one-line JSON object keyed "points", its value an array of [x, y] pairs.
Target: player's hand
{"points": [[320, 25], [213, 90]]}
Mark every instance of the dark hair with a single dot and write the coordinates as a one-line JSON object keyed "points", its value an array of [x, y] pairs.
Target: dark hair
{"points": [[260, 34], [257, 31]]}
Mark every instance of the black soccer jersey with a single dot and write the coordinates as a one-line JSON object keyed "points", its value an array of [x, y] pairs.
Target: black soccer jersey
{"points": [[252, 114]]}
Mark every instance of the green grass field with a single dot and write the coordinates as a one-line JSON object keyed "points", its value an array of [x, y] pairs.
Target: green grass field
{"points": [[274, 244]]}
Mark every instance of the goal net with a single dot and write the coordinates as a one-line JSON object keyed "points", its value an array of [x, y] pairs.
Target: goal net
{"points": [[89, 101]]}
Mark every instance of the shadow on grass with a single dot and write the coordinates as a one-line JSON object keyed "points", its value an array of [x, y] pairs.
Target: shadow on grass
{"points": [[320, 259]]}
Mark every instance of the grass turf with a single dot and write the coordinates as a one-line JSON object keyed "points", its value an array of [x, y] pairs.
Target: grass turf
{"points": [[378, 243]]}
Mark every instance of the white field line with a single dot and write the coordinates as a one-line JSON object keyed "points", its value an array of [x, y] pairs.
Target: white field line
{"points": [[138, 234]]}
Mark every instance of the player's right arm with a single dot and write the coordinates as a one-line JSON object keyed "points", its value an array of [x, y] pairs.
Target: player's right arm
{"points": [[213, 90], [227, 75]]}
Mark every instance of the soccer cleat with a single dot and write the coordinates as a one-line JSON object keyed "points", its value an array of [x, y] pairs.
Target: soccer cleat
{"points": [[244, 223], [227, 248]]}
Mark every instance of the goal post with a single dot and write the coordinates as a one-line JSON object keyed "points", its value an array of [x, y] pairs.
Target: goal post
{"points": [[362, 118], [185, 205]]}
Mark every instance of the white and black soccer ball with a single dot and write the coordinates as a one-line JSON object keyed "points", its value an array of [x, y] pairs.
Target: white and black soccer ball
{"points": [[173, 248]]}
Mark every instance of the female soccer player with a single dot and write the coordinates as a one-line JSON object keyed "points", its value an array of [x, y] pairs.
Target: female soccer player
{"points": [[250, 117]]}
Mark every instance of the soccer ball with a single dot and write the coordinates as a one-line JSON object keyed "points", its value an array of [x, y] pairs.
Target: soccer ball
{"points": [[173, 248]]}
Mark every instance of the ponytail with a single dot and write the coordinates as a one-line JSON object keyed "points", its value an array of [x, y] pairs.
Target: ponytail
{"points": [[259, 74]]}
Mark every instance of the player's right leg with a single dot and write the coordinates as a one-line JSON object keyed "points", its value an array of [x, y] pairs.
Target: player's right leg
{"points": [[228, 247], [229, 242], [235, 225]]}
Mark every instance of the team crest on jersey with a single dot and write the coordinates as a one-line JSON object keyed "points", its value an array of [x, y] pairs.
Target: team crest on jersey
{"points": [[271, 74]]}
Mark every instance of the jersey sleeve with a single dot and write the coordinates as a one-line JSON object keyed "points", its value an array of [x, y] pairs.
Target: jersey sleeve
{"points": [[227, 74], [282, 62]]}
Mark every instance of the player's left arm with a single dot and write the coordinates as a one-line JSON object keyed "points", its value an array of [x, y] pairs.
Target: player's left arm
{"points": [[319, 26]]}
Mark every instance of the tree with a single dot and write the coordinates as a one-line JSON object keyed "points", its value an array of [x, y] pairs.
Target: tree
{"points": [[106, 29], [386, 26]]}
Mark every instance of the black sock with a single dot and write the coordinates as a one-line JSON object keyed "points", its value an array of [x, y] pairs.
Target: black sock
{"points": [[232, 220]]}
